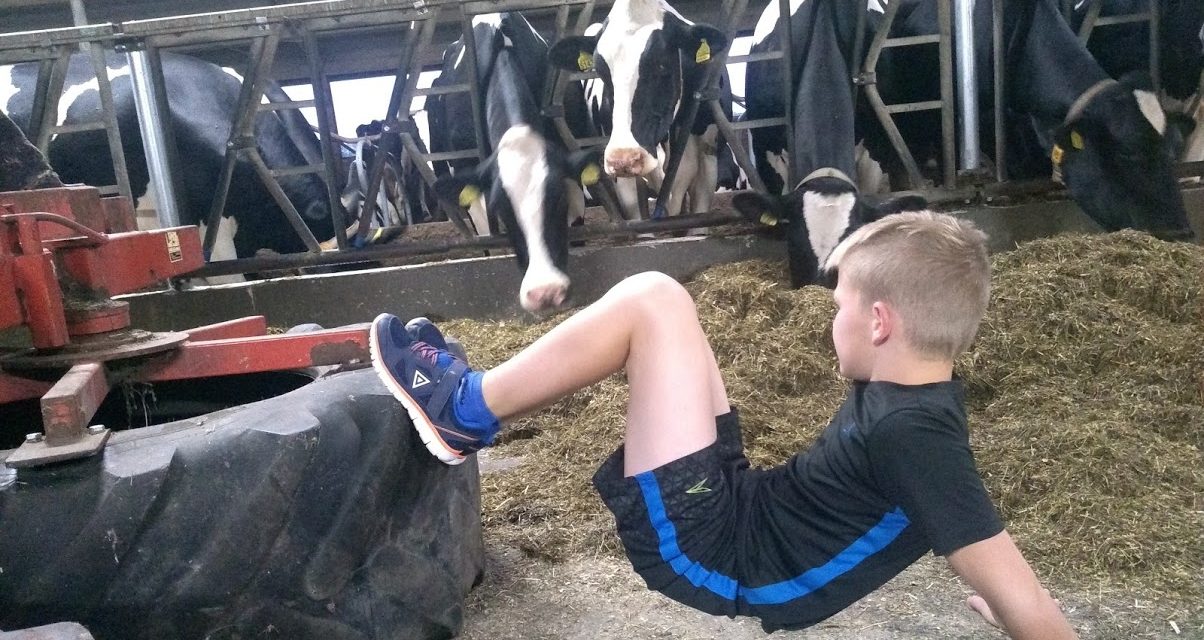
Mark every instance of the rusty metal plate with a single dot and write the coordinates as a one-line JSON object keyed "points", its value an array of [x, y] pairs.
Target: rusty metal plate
{"points": [[32, 454], [117, 345]]}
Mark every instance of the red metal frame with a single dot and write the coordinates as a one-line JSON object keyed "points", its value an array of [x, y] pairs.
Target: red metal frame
{"points": [[54, 241]]}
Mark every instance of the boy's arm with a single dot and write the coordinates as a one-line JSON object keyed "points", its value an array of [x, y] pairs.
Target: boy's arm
{"points": [[997, 571]]}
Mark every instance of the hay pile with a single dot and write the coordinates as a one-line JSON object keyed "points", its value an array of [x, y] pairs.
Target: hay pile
{"points": [[1085, 390]]}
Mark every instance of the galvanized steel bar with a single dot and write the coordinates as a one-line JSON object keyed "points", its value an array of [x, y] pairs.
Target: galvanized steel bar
{"points": [[997, 54], [428, 175], [152, 123], [290, 212], [875, 98], [478, 109], [54, 94], [787, 47], [1155, 45], [967, 86], [324, 106], [242, 129]]}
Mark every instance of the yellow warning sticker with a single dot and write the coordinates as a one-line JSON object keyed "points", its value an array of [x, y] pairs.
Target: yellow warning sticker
{"points": [[174, 253]]}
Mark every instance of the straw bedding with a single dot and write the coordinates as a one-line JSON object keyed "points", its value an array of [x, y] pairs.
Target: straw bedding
{"points": [[1085, 391]]}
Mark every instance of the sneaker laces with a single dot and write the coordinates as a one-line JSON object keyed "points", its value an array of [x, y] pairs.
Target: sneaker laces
{"points": [[427, 352]]}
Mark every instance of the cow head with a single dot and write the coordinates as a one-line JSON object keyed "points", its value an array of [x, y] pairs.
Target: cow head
{"points": [[528, 184], [644, 55], [814, 218], [1117, 161]]}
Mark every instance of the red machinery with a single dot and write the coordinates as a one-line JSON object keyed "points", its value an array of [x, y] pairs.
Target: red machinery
{"points": [[63, 254]]}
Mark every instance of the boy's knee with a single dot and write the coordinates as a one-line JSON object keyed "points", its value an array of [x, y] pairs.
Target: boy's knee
{"points": [[654, 287]]}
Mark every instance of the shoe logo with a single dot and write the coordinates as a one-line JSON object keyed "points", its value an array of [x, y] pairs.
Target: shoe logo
{"points": [[701, 487], [419, 380]]}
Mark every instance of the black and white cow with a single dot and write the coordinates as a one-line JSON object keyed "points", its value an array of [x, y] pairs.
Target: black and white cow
{"points": [[826, 205], [1104, 138], [529, 183], [1124, 48], [202, 98], [649, 58]]}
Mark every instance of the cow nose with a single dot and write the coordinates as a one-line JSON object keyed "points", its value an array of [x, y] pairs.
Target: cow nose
{"points": [[626, 162], [545, 297]]}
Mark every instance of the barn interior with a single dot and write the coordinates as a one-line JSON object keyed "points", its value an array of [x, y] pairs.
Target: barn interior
{"points": [[441, 270]]}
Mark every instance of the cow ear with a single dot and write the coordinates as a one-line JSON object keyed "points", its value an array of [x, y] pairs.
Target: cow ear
{"points": [[1138, 80], [585, 166], [701, 41], [574, 53], [766, 210], [465, 186]]}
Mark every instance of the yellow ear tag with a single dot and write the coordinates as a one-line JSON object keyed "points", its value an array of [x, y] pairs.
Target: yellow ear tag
{"points": [[768, 220], [468, 194], [590, 175], [1056, 156], [585, 61], [1076, 140], [704, 52]]}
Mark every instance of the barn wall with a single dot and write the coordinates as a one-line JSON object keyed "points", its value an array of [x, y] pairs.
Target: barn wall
{"points": [[487, 287]]}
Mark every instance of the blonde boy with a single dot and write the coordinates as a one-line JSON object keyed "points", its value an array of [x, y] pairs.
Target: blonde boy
{"points": [[891, 478]]}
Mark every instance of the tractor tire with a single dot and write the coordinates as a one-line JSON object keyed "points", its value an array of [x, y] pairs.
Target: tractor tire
{"points": [[315, 514]]}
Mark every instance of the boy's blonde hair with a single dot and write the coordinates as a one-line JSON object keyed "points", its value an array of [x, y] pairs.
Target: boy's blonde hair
{"points": [[931, 268]]}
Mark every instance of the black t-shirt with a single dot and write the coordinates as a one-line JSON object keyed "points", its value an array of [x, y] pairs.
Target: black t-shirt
{"points": [[891, 478]]}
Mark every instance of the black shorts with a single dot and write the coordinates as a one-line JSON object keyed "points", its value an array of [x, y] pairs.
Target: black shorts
{"points": [[680, 524]]}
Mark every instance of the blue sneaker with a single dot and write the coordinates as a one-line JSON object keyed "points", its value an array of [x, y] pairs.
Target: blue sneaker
{"points": [[424, 378], [423, 330]]}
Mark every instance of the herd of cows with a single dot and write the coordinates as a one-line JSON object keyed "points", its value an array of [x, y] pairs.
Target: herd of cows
{"points": [[1086, 114]]}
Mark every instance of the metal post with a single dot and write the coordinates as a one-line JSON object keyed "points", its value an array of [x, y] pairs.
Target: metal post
{"points": [[326, 129], [1001, 173], [153, 122], [967, 76], [1155, 39], [787, 48]]}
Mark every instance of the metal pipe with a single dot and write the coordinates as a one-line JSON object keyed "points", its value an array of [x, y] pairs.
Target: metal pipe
{"points": [[967, 76], [372, 254], [1155, 40], [152, 123], [1001, 172], [78, 16], [326, 128], [787, 48]]}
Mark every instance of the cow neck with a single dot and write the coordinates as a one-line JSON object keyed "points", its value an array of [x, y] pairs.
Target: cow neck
{"points": [[1054, 66], [1080, 103], [827, 172]]}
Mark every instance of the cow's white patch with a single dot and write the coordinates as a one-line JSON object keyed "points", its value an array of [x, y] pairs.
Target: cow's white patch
{"points": [[877, 5], [494, 20], [223, 249], [629, 197], [8, 86], [522, 167], [780, 165], [232, 73], [827, 217], [769, 20], [1151, 109], [870, 176], [630, 24], [74, 92]]}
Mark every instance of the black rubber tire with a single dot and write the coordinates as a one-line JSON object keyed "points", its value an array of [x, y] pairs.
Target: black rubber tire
{"points": [[316, 514]]}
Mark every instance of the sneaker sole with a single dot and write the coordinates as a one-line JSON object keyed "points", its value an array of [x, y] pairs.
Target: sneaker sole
{"points": [[426, 429]]}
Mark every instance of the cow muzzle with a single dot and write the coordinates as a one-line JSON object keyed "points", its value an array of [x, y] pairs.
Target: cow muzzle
{"points": [[541, 294], [629, 162]]}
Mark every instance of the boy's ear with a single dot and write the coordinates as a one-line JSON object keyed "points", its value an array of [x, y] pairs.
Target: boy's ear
{"points": [[766, 210], [574, 53], [702, 41], [466, 185], [585, 166]]}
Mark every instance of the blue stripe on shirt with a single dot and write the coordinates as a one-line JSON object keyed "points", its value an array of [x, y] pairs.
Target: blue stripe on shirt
{"points": [[877, 538]]}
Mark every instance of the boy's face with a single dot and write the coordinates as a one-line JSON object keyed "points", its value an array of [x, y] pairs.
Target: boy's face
{"points": [[852, 332]]}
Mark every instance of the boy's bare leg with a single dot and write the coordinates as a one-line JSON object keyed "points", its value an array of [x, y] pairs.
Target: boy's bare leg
{"points": [[648, 325]]}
